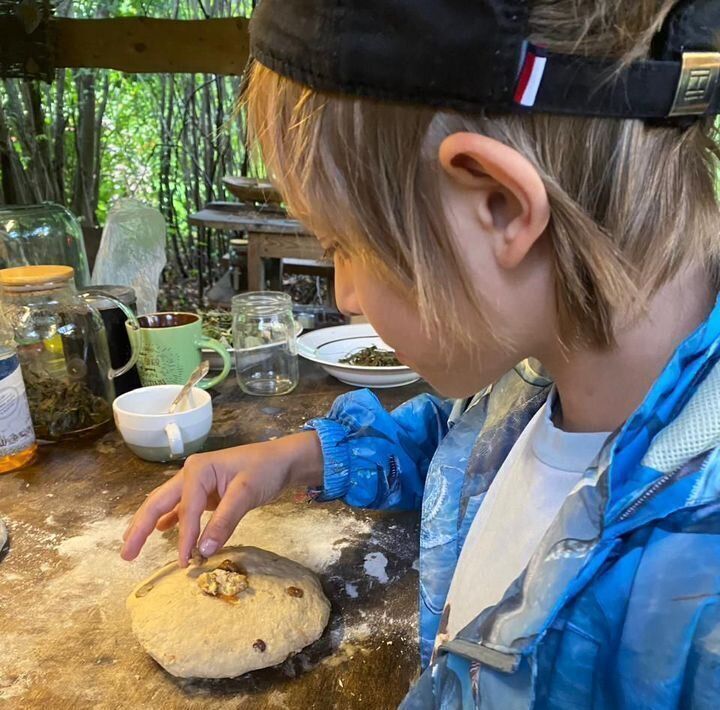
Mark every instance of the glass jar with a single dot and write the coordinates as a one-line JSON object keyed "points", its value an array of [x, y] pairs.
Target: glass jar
{"points": [[63, 350], [42, 234], [266, 360]]}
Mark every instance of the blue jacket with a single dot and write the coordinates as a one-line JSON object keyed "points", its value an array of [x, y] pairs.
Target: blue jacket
{"points": [[620, 603]]}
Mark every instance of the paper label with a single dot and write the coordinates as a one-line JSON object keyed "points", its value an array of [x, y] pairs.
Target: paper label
{"points": [[16, 429]]}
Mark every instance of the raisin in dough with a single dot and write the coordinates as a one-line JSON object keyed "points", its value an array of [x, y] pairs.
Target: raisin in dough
{"points": [[193, 634]]}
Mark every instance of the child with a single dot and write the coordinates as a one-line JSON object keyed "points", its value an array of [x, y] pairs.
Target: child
{"points": [[487, 202]]}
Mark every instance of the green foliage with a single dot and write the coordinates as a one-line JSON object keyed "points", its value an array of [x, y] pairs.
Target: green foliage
{"points": [[101, 135], [166, 140], [129, 161]]}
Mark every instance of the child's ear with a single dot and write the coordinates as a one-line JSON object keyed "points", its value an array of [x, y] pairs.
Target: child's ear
{"points": [[509, 197]]}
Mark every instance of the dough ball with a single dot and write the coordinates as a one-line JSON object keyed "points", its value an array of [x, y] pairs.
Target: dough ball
{"points": [[193, 629]]}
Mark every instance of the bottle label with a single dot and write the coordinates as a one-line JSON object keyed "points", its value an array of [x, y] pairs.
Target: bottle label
{"points": [[16, 429]]}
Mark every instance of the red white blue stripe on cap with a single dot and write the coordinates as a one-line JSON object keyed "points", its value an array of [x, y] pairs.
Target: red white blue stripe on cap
{"points": [[530, 77]]}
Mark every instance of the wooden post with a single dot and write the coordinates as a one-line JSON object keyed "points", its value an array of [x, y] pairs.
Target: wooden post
{"points": [[256, 264], [143, 44]]}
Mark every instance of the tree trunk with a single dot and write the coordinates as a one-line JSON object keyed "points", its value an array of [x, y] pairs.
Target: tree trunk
{"points": [[97, 148], [59, 135], [15, 190], [85, 142], [40, 169]]}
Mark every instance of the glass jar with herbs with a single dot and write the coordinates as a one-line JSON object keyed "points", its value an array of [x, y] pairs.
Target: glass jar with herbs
{"points": [[63, 350]]}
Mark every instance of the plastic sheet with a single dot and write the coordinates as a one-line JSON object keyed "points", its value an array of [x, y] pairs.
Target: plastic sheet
{"points": [[132, 251]]}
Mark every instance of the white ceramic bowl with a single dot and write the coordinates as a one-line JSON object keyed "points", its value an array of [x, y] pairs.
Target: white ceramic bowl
{"points": [[152, 434], [328, 346]]}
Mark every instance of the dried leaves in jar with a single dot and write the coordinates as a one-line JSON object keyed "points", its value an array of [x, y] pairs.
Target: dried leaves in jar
{"points": [[61, 408]]}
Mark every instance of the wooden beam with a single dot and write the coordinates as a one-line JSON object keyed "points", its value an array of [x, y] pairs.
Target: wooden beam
{"points": [[142, 44]]}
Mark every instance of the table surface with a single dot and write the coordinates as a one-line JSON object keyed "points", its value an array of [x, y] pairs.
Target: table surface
{"points": [[65, 639]]}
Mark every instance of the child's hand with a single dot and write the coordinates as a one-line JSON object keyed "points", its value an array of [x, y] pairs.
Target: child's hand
{"points": [[230, 482]]}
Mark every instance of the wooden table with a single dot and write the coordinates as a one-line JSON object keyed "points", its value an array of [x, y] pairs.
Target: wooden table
{"points": [[65, 639], [271, 238]]}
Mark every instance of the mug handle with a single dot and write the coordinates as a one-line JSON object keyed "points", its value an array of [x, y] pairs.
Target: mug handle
{"points": [[97, 294], [221, 350], [177, 447]]}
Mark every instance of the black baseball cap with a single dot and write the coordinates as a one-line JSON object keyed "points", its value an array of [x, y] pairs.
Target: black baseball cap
{"points": [[475, 55]]}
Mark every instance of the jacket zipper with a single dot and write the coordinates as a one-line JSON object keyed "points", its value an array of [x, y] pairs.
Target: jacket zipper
{"points": [[393, 467], [655, 488]]}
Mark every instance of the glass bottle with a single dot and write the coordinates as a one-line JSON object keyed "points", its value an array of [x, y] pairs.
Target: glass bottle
{"points": [[266, 360], [17, 437], [42, 234], [63, 350]]}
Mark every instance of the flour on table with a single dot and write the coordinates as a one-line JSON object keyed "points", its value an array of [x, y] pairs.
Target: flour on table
{"points": [[310, 535], [85, 583], [84, 576], [376, 566]]}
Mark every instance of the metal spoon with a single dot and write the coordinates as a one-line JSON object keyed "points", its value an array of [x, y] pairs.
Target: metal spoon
{"points": [[198, 373]]}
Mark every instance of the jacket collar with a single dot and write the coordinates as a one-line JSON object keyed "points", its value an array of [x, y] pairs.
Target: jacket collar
{"points": [[694, 358]]}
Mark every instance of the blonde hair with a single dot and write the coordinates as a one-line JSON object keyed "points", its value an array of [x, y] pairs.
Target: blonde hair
{"points": [[630, 203]]}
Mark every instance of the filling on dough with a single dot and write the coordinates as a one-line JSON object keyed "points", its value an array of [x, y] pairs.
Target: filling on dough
{"points": [[227, 580]]}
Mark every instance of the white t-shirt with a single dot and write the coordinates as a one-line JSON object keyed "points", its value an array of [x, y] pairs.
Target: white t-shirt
{"points": [[540, 471]]}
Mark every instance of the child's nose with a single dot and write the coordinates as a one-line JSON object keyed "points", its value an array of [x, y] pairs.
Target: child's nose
{"points": [[345, 296], [346, 300], [349, 306]]}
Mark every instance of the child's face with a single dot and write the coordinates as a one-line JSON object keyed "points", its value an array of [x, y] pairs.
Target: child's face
{"points": [[498, 210], [458, 371]]}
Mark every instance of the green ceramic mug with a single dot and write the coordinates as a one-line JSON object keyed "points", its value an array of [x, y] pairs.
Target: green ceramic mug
{"points": [[169, 347]]}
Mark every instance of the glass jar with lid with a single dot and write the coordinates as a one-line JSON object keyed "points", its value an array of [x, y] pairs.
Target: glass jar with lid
{"points": [[63, 350], [264, 343], [42, 234]]}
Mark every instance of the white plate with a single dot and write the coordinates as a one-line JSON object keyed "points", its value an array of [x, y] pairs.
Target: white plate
{"points": [[328, 346]]}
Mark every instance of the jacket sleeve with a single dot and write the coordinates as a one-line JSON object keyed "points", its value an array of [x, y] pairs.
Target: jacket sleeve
{"points": [[377, 459]]}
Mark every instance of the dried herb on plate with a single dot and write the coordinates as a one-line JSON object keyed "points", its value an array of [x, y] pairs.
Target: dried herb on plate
{"points": [[372, 357]]}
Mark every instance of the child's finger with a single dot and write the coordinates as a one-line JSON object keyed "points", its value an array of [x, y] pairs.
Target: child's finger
{"points": [[168, 520], [160, 501], [237, 501], [198, 485], [174, 485]]}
